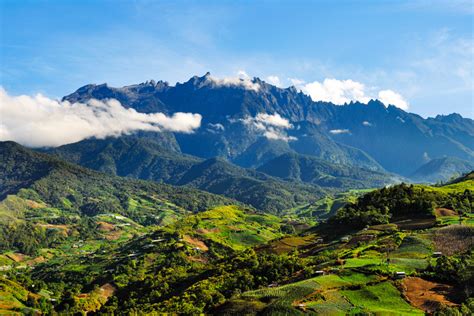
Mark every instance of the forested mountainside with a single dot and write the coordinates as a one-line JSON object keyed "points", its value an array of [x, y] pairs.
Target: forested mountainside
{"points": [[35, 185], [372, 135], [146, 158]]}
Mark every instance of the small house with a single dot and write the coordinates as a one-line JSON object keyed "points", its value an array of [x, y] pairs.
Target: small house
{"points": [[400, 275], [345, 239]]}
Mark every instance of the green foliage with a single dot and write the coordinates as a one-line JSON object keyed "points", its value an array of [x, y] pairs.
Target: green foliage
{"points": [[415, 201]]}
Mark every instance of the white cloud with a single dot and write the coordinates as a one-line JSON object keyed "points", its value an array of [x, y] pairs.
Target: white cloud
{"points": [[341, 92], [339, 131], [274, 80], [272, 126], [243, 74], [242, 80], [215, 128], [273, 120], [389, 97], [296, 82], [278, 135], [336, 91], [39, 121]]}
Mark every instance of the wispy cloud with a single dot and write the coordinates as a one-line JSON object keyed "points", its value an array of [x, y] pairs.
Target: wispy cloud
{"points": [[274, 80], [271, 126], [40, 121], [339, 131]]}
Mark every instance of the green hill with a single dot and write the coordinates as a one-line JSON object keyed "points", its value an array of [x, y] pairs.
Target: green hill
{"points": [[39, 190], [147, 159]]}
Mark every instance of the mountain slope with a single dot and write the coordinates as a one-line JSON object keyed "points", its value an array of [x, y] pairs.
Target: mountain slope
{"points": [[442, 169], [79, 190], [139, 157], [128, 156], [317, 171], [372, 136]]}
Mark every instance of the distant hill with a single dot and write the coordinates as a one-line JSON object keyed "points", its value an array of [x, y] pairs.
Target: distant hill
{"points": [[318, 171], [266, 189], [442, 169], [141, 157]]}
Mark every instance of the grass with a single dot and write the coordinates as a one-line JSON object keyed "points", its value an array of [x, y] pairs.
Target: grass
{"points": [[413, 247], [12, 295], [318, 294], [231, 226], [330, 303], [382, 298]]}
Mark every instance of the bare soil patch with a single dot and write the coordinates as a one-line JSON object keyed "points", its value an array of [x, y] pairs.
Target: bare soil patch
{"points": [[195, 242], [426, 295], [445, 212], [17, 257], [65, 229], [34, 205], [105, 227], [107, 290], [198, 259], [208, 231], [113, 235]]}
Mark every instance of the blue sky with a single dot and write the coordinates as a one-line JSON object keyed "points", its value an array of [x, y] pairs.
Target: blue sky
{"points": [[422, 50]]}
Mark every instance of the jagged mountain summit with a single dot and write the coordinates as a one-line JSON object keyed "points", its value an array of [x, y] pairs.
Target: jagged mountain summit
{"points": [[251, 122]]}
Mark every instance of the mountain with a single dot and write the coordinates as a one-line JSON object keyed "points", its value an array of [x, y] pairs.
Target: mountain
{"points": [[143, 157], [372, 136], [317, 171], [442, 169]]}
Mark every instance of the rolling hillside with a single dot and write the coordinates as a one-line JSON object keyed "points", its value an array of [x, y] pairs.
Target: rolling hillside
{"points": [[233, 260]]}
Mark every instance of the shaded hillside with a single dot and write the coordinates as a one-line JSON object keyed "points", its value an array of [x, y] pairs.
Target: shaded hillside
{"points": [[320, 172], [83, 191], [138, 157], [442, 169], [145, 157]]}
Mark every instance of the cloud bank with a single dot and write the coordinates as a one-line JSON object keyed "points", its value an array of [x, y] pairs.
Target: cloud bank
{"points": [[39, 121], [271, 126], [344, 91]]}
